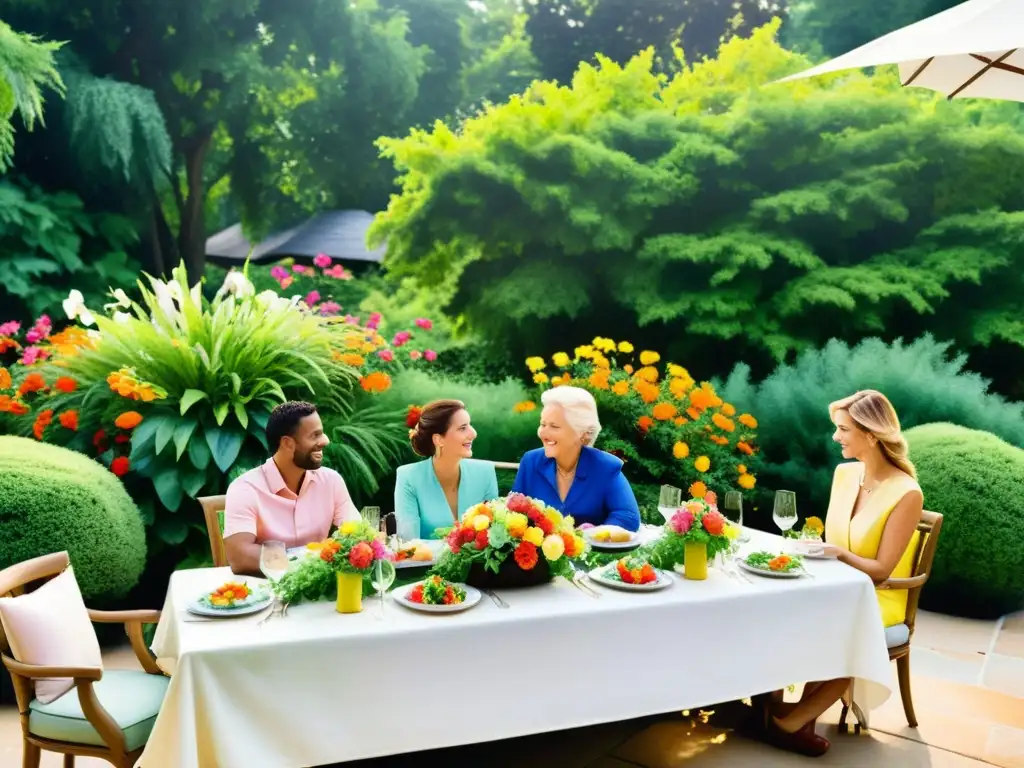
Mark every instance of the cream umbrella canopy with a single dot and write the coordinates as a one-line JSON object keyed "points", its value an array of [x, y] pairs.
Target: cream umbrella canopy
{"points": [[968, 51]]}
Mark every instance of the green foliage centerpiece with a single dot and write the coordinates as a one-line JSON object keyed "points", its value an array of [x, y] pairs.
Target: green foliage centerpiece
{"points": [[695, 532]]}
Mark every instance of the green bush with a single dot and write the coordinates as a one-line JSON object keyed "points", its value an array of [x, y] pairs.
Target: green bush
{"points": [[53, 499], [976, 481], [924, 382]]}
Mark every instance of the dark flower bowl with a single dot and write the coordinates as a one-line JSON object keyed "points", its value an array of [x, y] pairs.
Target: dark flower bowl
{"points": [[509, 575]]}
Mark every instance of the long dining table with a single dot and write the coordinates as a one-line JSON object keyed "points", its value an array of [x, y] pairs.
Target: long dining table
{"points": [[315, 687]]}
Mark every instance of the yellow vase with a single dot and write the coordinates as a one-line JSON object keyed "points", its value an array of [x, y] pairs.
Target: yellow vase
{"points": [[350, 593], [695, 562]]}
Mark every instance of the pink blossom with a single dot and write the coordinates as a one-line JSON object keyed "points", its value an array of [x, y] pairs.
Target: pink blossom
{"points": [[338, 272], [430, 355], [386, 355], [415, 354], [681, 521], [278, 272], [376, 317], [351, 319], [40, 330], [322, 260], [711, 498], [402, 337], [424, 323], [299, 269], [287, 282], [380, 552], [10, 328], [32, 355], [313, 297], [330, 308]]}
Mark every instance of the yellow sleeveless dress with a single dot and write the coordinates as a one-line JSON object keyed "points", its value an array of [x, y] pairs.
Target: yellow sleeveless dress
{"points": [[862, 533]]}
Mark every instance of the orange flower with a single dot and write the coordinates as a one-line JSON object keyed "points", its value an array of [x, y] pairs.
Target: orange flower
{"points": [[67, 342], [43, 420], [69, 420], [15, 407], [5, 378], [145, 393], [747, 481], [628, 368], [8, 343], [66, 384], [698, 490], [664, 411], [724, 424], [680, 420], [599, 378], [645, 423], [748, 421], [741, 468], [34, 382], [702, 464], [621, 388], [679, 388], [744, 448], [350, 358], [128, 420], [693, 413], [524, 407], [647, 374], [718, 439], [728, 409], [648, 392], [376, 382], [680, 450]]}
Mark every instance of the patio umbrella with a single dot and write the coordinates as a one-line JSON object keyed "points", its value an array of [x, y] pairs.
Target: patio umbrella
{"points": [[968, 51]]}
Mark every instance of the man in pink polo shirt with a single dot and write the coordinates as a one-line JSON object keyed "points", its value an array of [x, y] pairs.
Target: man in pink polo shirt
{"points": [[292, 497]]}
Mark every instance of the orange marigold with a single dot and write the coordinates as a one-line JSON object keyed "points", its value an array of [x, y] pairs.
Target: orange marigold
{"points": [[748, 421], [599, 378], [34, 382], [741, 468], [648, 392], [700, 398], [524, 407], [693, 413], [645, 423], [5, 378], [680, 420], [66, 384], [376, 382], [744, 447], [747, 481], [728, 409], [698, 490], [724, 424], [350, 358], [647, 374], [9, 405], [69, 420], [128, 420], [43, 420], [664, 411], [718, 439], [621, 388], [702, 464], [680, 450]]}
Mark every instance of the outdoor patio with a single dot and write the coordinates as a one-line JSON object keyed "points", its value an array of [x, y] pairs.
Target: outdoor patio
{"points": [[968, 693]]}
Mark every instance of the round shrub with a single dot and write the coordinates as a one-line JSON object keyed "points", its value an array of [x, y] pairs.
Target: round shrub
{"points": [[976, 482], [53, 499]]}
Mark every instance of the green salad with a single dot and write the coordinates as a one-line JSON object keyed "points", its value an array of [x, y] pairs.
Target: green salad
{"points": [[779, 563]]}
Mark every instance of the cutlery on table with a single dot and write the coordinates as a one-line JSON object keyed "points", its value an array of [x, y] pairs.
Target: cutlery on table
{"points": [[495, 597]]}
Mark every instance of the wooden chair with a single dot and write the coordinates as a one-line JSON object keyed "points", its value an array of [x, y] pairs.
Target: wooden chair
{"points": [[213, 507], [118, 734], [898, 637]]}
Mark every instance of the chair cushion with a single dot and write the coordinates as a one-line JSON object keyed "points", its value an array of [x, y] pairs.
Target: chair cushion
{"points": [[132, 698], [51, 627], [896, 635]]}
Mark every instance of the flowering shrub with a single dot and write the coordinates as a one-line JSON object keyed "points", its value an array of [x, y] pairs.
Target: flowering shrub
{"points": [[666, 427]]}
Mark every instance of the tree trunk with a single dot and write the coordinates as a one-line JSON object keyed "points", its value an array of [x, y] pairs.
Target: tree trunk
{"points": [[192, 234]]}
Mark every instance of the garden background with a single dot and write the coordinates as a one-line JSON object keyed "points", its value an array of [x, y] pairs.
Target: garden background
{"points": [[595, 191]]}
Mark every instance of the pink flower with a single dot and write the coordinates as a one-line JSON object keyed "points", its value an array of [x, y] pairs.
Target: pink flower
{"points": [[278, 272], [415, 354], [287, 282], [330, 308], [386, 355], [711, 498], [312, 298], [322, 260], [424, 323], [351, 319], [40, 330], [10, 328], [430, 355], [299, 269], [338, 272], [380, 552], [682, 521], [401, 338], [32, 355]]}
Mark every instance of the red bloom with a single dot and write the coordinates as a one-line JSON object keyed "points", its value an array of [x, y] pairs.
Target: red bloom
{"points": [[713, 523], [481, 540], [121, 439], [516, 502], [120, 466], [412, 416], [570, 544], [66, 384], [526, 555], [361, 555], [416, 594], [69, 420], [545, 525], [455, 539], [32, 383], [99, 440], [42, 422]]}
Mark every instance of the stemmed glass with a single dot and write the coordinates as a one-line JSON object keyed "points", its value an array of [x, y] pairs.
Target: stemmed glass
{"points": [[732, 507], [274, 565], [669, 500], [372, 517], [784, 512], [381, 578]]}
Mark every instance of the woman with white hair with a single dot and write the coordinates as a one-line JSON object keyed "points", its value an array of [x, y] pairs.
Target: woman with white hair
{"points": [[568, 473]]}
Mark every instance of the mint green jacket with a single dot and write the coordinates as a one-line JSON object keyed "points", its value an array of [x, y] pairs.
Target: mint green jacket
{"points": [[420, 504]]}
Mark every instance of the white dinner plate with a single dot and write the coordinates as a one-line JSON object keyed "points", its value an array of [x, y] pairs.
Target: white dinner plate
{"points": [[472, 598], [770, 574], [256, 602], [601, 576], [434, 545], [633, 543], [810, 549]]}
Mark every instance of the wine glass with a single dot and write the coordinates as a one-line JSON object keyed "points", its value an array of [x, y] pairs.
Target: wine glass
{"points": [[381, 578], [669, 500], [372, 517], [732, 507], [273, 560], [784, 512]]}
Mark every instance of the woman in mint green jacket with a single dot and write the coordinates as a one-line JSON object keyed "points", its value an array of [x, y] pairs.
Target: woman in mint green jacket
{"points": [[434, 493]]}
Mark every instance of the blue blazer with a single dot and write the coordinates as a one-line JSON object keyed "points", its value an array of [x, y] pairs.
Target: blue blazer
{"points": [[420, 504], [600, 494]]}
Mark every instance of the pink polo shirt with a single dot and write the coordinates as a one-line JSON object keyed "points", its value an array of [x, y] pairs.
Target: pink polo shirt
{"points": [[260, 503]]}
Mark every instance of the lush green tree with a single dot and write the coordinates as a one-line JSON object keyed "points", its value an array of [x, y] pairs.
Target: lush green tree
{"points": [[566, 32], [27, 67], [502, 61], [715, 207]]}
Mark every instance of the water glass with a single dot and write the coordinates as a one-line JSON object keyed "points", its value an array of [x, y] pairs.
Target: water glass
{"points": [[669, 500], [381, 578], [784, 512], [372, 517], [732, 507], [273, 560]]}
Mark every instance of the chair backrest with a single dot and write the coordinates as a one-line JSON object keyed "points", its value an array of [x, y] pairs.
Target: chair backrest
{"points": [[506, 465], [930, 525], [213, 506], [16, 578]]}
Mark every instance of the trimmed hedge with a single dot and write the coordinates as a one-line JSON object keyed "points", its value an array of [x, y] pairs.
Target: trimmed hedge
{"points": [[53, 499], [976, 481]]}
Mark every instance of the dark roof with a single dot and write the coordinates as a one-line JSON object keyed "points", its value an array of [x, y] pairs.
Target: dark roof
{"points": [[339, 234]]}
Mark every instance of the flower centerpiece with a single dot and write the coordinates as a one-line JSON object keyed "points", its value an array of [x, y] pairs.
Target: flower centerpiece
{"points": [[693, 533], [510, 542], [812, 530], [349, 554]]}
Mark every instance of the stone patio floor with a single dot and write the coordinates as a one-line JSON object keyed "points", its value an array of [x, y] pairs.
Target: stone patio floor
{"points": [[968, 683]]}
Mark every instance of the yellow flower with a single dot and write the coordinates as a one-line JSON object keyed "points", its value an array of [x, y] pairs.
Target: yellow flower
{"points": [[732, 532], [680, 450], [649, 358], [648, 374], [625, 347], [535, 364], [747, 481], [584, 352], [603, 344], [741, 468], [516, 522], [677, 371], [524, 407], [702, 464], [558, 381], [621, 388], [553, 547], [814, 524], [560, 359], [348, 527], [534, 535], [748, 421], [627, 368], [481, 522], [540, 378], [601, 361], [579, 544]]}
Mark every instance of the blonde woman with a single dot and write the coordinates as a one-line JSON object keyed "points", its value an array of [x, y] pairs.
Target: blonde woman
{"points": [[871, 525]]}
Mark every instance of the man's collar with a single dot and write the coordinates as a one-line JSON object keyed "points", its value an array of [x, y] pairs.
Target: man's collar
{"points": [[275, 480]]}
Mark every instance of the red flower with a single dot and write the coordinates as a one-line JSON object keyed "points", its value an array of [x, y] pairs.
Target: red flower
{"points": [[516, 502], [545, 525], [416, 594], [32, 383], [120, 466], [69, 420], [99, 440], [327, 554], [122, 439], [713, 523], [526, 555], [66, 384], [455, 539], [42, 422], [570, 544], [481, 540], [623, 572], [361, 555], [412, 416]]}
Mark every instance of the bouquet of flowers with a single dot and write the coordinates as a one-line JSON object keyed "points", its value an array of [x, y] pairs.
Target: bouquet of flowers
{"points": [[523, 529], [698, 521]]}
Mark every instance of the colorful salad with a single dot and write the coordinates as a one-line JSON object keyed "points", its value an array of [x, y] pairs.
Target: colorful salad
{"points": [[437, 591]]}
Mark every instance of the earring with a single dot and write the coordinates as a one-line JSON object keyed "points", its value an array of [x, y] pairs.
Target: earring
{"points": [[440, 450]]}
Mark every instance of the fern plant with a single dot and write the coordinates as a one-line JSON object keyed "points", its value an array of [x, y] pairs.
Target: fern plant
{"points": [[27, 67]]}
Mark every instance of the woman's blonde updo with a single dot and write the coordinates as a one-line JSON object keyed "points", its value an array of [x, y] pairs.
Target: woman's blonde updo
{"points": [[872, 412]]}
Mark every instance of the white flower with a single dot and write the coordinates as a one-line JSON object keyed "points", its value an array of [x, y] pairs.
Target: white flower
{"points": [[164, 298], [238, 285], [122, 317], [121, 299], [174, 289], [74, 307]]}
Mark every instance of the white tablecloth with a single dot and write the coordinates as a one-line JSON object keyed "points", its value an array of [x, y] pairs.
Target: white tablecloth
{"points": [[317, 687]]}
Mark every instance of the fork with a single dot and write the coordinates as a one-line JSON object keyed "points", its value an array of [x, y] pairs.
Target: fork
{"points": [[580, 579], [494, 596]]}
